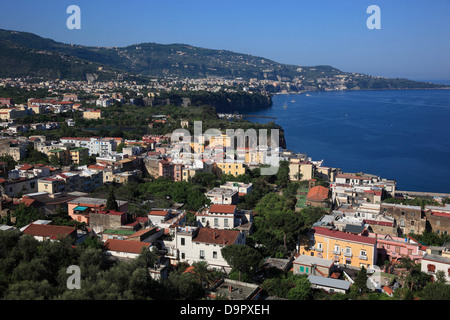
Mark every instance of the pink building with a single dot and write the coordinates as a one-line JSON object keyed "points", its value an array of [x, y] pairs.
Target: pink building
{"points": [[394, 248], [79, 209]]}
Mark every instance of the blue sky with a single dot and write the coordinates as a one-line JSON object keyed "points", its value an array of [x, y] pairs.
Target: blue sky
{"points": [[413, 42]]}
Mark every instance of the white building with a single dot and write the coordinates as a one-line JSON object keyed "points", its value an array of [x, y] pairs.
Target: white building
{"points": [[223, 196], [193, 244], [437, 259], [99, 146], [218, 216]]}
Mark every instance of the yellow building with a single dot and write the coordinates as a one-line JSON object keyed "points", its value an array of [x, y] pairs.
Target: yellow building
{"points": [[92, 114], [7, 114], [344, 248], [79, 154], [219, 141], [234, 168], [305, 168], [62, 155]]}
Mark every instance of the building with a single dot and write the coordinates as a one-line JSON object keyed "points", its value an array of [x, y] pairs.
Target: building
{"points": [[304, 264], [79, 209], [92, 114], [218, 216], [194, 244], [241, 188], [223, 196], [63, 156], [7, 114], [300, 168], [396, 248], [438, 218], [79, 155], [318, 196], [126, 249], [437, 259], [159, 216], [330, 285], [43, 232], [409, 219], [95, 145], [235, 168], [234, 290], [349, 250]]}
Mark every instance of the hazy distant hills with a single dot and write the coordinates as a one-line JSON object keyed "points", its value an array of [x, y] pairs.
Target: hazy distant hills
{"points": [[23, 54]]}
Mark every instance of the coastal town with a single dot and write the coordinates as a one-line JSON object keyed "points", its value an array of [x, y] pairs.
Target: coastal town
{"points": [[201, 211]]}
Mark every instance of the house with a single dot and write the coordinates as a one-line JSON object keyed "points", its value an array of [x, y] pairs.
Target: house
{"points": [[194, 244], [158, 216], [43, 232], [234, 290], [92, 114], [241, 188], [80, 208], [437, 259], [304, 264], [349, 250], [396, 248], [218, 216], [318, 196], [223, 196], [125, 249], [330, 285]]}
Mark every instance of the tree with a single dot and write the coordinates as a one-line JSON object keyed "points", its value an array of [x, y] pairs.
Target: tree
{"points": [[25, 215], [436, 291], [241, 258], [111, 203], [302, 289], [361, 281]]}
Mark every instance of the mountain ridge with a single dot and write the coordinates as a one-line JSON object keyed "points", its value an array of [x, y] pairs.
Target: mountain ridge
{"points": [[177, 60]]}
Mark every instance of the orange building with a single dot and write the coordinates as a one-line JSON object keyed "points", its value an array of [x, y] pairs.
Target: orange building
{"points": [[343, 248]]}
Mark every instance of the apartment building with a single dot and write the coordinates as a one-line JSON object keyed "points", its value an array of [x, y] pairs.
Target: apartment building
{"points": [[351, 250], [95, 145]]}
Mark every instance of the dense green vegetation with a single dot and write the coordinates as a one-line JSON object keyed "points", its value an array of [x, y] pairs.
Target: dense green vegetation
{"points": [[33, 270]]}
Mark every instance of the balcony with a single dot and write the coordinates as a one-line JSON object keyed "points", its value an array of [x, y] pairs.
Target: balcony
{"points": [[337, 252], [362, 257], [348, 254]]}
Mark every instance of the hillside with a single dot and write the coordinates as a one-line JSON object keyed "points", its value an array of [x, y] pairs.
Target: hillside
{"points": [[24, 53]]}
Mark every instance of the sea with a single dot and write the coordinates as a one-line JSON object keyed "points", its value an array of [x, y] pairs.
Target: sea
{"points": [[395, 134]]}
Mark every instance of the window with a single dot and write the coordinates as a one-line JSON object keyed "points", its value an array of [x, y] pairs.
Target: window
{"points": [[183, 241], [216, 222], [431, 267], [202, 254], [215, 254], [319, 246], [337, 249], [226, 223], [348, 252], [183, 255]]}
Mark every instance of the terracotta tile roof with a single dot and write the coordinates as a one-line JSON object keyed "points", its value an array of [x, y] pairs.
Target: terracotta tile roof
{"points": [[126, 246], [344, 236], [158, 213], [318, 193], [222, 208], [49, 231], [216, 236]]}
